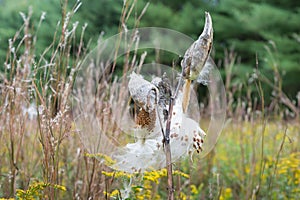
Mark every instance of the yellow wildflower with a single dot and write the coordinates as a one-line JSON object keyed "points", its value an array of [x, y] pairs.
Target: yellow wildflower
{"points": [[194, 189], [176, 172], [107, 160], [226, 194], [114, 193], [60, 187], [182, 196], [117, 174]]}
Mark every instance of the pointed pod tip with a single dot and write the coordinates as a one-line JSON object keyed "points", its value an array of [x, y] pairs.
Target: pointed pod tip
{"points": [[208, 29], [208, 20], [207, 16]]}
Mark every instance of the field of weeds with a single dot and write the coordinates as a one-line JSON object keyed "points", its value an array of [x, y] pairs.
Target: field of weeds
{"points": [[236, 168], [42, 156]]}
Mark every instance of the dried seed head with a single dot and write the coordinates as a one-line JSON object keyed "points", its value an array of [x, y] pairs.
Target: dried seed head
{"points": [[146, 120], [143, 93], [196, 56]]}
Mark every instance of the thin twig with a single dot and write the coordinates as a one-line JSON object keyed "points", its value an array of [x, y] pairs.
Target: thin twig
{"points": [[192, 65], [264, 124], [277, 159], [168, 152], [167, 142]]}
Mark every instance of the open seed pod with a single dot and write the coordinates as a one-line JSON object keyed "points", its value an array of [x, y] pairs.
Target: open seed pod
{"points": [[196, 56], [143, 93]]}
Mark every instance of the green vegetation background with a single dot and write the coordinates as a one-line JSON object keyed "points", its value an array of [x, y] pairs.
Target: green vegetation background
{"points": [[268, 28]]}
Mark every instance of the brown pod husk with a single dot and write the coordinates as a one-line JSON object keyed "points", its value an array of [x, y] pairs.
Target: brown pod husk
{"points": [[196, 56], [143, 93]]}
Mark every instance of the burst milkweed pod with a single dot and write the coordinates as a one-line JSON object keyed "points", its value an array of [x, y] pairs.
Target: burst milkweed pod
{"points": [[147, 151]]}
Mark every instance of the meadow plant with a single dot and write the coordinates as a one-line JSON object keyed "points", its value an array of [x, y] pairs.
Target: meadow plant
{"points": [[47, 151], [43, 82]]}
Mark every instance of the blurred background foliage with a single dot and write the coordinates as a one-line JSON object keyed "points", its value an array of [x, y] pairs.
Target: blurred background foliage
{"points": [[266, 28]]}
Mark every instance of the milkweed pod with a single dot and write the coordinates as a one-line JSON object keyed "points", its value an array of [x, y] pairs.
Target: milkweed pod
{"points": [[143, 93], [195, 57]]}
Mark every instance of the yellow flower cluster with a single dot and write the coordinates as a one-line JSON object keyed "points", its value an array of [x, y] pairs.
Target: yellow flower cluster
{"points": [[108, 161], [150, 179], [290, 166], [195, 190], [155, 175], [35, 190], [146, 192], [182, 196], [117, 174], [114, 193], [226, 194], [60, 187], [179, 173]]}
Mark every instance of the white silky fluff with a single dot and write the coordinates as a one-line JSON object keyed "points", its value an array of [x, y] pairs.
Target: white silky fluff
{"points": [[148, 153]]}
